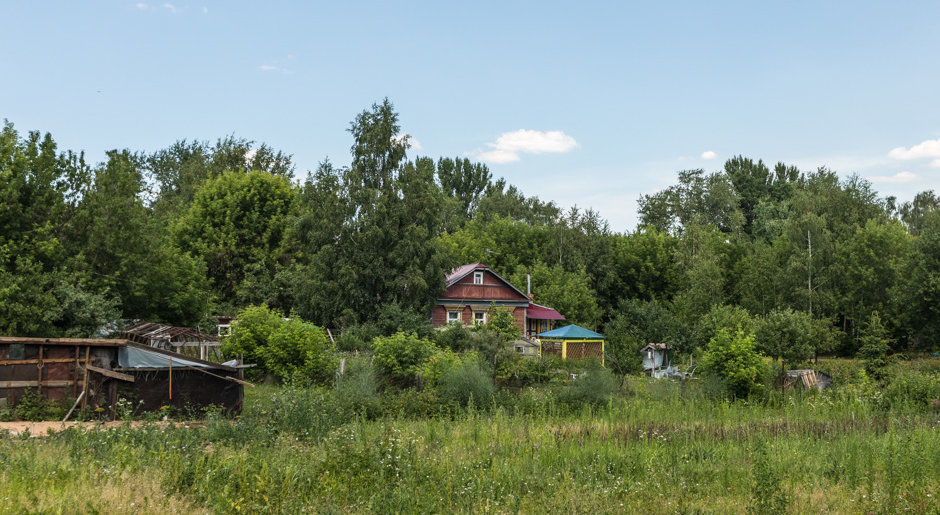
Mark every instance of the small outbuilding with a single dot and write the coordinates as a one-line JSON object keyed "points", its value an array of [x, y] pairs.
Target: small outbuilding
{"points": [[99, 372], [572, 342]]}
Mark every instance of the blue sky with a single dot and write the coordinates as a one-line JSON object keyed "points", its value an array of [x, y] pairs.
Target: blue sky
{"points": [[589, 104]]}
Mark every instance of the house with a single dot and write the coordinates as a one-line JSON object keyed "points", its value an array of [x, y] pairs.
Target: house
{"points": [[472, 291], [99, 372], [572, 342]]}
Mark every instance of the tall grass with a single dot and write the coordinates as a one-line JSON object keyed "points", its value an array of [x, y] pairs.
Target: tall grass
{"points": [[661, 448]]}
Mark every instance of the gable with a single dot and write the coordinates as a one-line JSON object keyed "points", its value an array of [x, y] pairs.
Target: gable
{"points": [[461, 286]]}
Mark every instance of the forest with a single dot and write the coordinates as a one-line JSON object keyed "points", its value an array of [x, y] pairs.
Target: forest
{"points": [[747, 270], [199, 229]]}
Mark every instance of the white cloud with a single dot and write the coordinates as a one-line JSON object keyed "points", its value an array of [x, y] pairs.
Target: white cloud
{"points": [[205, 10], [170, 7], [270, 68], [925, 149], [509, 145], [412, 141], [709, 154], [898, 177], [141, 5]]}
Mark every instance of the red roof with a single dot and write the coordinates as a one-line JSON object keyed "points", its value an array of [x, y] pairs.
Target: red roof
{"points": [[462, 271], [542, 313]]}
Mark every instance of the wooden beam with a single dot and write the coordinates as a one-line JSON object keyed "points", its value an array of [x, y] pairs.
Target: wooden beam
{"points": [[34, 361], [96, 342], [111, 373], [28, 384]]}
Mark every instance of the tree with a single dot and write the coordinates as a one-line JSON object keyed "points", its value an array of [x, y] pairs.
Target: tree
{"points": [[922, 288], [238, 221], [698, 199], [914, 213], [379, 240], [37, 193], [290, 349], [637, 323], [463, 181], [785, 335], [570, 293], [732, 357]]}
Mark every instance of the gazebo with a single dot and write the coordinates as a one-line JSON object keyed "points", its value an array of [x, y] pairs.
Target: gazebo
{"points": [[572, 342]]}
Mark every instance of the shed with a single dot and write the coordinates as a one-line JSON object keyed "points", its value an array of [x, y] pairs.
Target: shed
{"points": [[655, 355], [101, 371], [572, 342]]}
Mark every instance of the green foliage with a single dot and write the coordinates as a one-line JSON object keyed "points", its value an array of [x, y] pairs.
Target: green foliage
{"points": [[465, 383], [399, 357], [569, 293], [785, 335], [291, 350], [500, 321], [237, 220], [357, 390], [875, 345], [724, 317], [767, 496], [732, 357], [637, 323], [922, 289], [594, 387]]}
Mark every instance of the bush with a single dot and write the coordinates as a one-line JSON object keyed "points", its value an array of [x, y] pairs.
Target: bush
{"points": [[594, 387], [455, 337], [399, 357], [357, 390], [466, 382], [291, 350], [914, 391], [732, 358]]}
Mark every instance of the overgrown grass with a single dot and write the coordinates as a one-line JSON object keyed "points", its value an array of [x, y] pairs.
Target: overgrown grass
{"points": [[659, 448]]}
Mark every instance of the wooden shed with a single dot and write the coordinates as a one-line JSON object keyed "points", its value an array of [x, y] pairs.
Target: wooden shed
{"points": [[100, 371]]}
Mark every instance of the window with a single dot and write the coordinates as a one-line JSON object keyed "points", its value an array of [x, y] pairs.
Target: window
{"points": [[479, 317], [477, 277], [453, 316]]}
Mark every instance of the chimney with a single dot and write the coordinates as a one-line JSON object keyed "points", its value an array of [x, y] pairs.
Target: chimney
{"points": [[528, 286]]}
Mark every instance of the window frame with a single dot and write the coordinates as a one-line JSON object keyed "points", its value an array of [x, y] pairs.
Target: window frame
{"points": [[482, 317], [477, 277], [456, 319]]}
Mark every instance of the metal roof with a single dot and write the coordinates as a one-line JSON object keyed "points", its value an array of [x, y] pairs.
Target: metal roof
{"points": [[571, 332]]}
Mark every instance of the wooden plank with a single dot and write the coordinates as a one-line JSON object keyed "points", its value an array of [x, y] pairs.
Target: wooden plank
{"points": [[34, 361], [111, 373], [29, 384], [96, 342]]}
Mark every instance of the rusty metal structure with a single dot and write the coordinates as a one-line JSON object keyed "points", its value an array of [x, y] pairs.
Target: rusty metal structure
{"points": [[184, 340], [99, 372]]}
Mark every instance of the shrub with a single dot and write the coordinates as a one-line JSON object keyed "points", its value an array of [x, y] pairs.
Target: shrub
{"points": [[291, 350], [766, 495], [732, 358], [465, 382], [594, 387], [912, 390], [357, 390], [399, 357], [455, 337]]}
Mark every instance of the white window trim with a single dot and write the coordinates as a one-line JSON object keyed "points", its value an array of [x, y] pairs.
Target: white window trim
{"points": [[479, 320], [477, 277], [452, 320]]}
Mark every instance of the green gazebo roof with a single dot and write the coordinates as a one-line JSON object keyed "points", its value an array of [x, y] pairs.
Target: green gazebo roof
{"points": [[571, 332]]}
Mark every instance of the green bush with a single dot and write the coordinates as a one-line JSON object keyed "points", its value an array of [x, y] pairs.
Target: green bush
{"points": [[914, 391], [464, 383], [357, 390], [399, 357], [291, 350], [455, 337], [732, 358], [594, 387]]}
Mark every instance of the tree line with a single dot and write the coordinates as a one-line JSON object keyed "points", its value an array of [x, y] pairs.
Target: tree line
{"points": [[201, 229]]}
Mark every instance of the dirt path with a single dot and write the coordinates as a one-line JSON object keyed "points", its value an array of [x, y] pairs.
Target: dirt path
{"points": [[44, 428]]}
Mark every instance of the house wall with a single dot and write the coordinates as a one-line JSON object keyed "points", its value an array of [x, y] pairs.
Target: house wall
{"points": [[439, 316], [491, 289]]}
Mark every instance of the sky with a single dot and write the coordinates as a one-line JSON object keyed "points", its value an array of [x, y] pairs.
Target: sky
{"points": [[589, 104]]}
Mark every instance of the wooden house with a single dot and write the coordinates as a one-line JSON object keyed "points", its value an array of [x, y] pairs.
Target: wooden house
{"points": [[473, 290]]}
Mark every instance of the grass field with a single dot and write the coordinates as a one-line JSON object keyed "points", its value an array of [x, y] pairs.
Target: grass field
{"points": [[653, 448]]}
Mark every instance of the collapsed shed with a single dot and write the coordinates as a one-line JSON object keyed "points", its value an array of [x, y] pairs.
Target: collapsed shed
{"points": [[184, 340], [100, 372]]}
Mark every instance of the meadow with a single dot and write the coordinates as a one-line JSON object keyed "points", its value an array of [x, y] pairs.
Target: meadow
{"points": [[652, 446]]}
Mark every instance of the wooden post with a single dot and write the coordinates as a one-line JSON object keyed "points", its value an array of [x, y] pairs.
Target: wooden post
{"points": [[85, 377], [171, 378], [564, 349], [39, 366], [75, 376]]}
